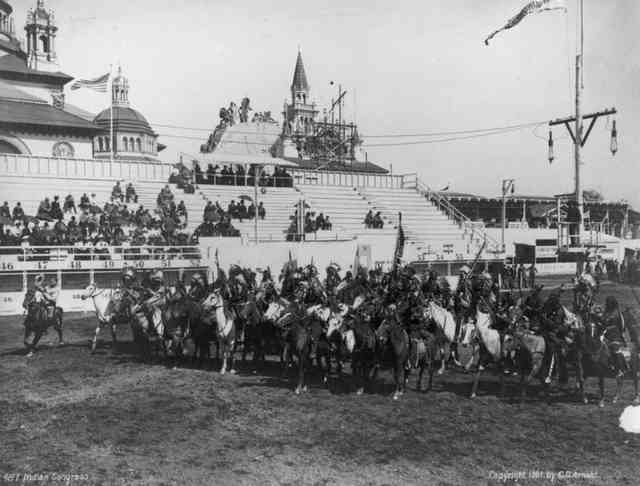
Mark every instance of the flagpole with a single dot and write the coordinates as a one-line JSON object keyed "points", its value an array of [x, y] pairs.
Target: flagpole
{"points": [[578, 127], [113, 142]]}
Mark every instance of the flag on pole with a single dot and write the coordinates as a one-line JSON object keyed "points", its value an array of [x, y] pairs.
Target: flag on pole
{"points": [[533, 7], [400, 239], [98, 84]]}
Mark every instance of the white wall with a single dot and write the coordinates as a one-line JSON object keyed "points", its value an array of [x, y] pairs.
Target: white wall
{"points": [[43, 145]]}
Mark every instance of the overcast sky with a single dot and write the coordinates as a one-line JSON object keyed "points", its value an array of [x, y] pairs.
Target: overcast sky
{"points": [[411, 66]]}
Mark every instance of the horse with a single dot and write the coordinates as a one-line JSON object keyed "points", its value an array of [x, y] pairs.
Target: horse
{"points": [[146, 333], [295, 335], [490, 342], [446, 322], [530, 350], [393, 337], [225, 326], [111, 310], [39, 318]]}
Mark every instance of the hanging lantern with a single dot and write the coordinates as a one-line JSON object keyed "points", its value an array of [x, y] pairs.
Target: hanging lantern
{"points": [[513, 187], [614, 138], [551, 154]]}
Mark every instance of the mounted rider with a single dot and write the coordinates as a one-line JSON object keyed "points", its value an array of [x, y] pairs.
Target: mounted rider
{"points": [[555, 332], [45, 294], [198, 287], [615, 333], [155, 297]]}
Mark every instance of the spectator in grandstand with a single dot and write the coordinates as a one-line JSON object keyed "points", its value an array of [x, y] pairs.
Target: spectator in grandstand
{"points": [[44, 210], [211, 174], [69, 205], [261, 211], [377, 221], [198, 172], [130, 194], [309, 223], [327, 224], [181, 210], [319, 223], [18, 212], [251, 211], [116, 192], [240, 175], [56, 212], [368, 220], [5, 210], [241, 210]]}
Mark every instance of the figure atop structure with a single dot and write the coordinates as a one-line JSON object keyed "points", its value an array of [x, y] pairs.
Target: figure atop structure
{"points": [[41, 32]]}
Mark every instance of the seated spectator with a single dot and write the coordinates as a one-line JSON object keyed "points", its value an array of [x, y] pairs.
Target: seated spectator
{"points": [[309, 223], [131, 195], [69, 205], [368, 220], [44, 210], [242, 210], [85, 204], [5, 210], [18, 212], [116, 192], [261, 211], [327, 224], [320, 221], [377, 221], [56, 212], [251, 211], [181, 210], [224, 176]]}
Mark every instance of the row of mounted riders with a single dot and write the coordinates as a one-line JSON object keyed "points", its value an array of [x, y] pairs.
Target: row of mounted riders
{"points": [[401, 319]]}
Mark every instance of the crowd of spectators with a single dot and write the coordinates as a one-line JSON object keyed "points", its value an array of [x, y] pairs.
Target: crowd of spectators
{"points": [[372, 221], [230, 176], [121, 221], [311, 224]]}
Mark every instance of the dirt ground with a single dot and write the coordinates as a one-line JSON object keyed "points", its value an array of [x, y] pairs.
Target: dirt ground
{"points": [[110, 419]]}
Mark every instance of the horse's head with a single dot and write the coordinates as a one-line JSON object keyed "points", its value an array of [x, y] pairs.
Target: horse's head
{"points": [[274, 311], [90, 291], [213, 301], [383, 332]]}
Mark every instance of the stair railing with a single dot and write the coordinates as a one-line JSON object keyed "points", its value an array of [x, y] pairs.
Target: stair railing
{"points": [[412, 181]]}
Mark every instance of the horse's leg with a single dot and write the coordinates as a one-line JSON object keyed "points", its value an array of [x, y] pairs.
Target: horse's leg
{"points": [[232, 353], [398, 372], [114, 337], [420, 373], [601, 375], [444, 353], [94, 341], [58, 327], [634, 375], [225, 347], [27, 333], [34, 343], [476, 381], [302, 357], [502, 378], [580, 376]]}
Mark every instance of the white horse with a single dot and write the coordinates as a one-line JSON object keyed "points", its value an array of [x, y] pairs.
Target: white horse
{"points": [[492, 343], [225, 328], [105, 302], [447, 324]]}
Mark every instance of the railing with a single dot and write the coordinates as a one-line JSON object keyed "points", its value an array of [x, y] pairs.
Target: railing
{"points": [[345, 179], [71, 168], [77, 258], [412, 181]]}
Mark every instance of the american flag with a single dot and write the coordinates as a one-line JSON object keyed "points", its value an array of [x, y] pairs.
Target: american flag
{"points": [[533, 7], [98, 84]]}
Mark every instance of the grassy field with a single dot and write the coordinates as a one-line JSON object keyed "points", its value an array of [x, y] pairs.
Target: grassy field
{"points": [[112, 420]]}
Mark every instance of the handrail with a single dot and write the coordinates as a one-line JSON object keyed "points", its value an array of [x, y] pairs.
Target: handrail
{"points": [[412, 181]]}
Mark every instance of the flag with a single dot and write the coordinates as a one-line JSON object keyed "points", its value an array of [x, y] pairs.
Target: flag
{"points": [[533, 7], [99, 84], [397, 254]]}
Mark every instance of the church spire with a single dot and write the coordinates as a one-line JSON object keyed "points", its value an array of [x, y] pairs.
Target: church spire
{"points": [[299, 76]]}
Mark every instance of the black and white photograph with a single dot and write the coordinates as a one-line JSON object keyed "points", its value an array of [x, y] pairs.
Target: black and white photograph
{"points": [[352, 242]]}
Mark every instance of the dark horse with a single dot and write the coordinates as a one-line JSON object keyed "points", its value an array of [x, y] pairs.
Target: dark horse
{"points": [[39, 318], [393, 339]]}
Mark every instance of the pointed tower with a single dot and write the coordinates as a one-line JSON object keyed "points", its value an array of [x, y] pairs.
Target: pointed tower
{"points": [[41, 36], [300, 115]]}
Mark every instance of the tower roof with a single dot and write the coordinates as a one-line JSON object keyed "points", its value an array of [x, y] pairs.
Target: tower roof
{"points": [[299, 76]]}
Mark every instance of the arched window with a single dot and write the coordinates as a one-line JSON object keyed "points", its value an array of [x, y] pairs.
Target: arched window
{"points": [[139, 145], [125, 144], [100, 144], [107, 144], [45, 43], [132, 145]]}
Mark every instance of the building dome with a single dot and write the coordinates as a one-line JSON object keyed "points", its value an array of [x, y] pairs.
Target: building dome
{"points": [[126, 119], [5, 8]]}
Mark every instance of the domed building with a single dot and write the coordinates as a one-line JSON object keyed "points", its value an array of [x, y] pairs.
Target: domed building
{"points": [[134, 138]]}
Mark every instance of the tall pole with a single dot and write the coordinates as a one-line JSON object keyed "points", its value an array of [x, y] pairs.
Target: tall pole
{"points": [[257, 173], [113, 141], [578, 127]]}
